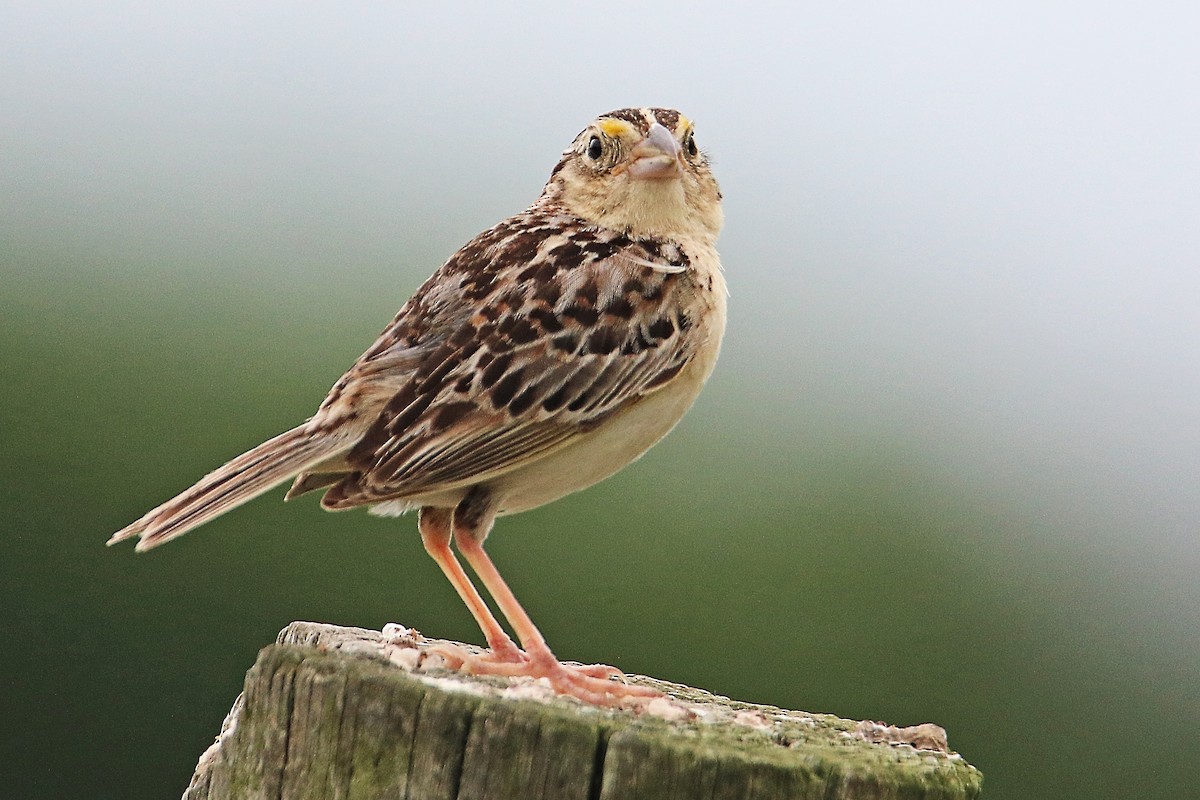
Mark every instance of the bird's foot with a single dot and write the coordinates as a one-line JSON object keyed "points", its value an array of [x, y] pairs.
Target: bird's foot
{"points": [[598, 684], [462, 659]]}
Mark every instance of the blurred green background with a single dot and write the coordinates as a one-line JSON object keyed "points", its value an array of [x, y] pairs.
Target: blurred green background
{"points": [[946, 471]]}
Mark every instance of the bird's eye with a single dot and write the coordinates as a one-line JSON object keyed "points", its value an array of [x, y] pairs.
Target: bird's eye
{"points": [[690, 144], [595, 148]]}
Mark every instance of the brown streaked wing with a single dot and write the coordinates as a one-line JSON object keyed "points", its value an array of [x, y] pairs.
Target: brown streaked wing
{"points": [[530, 381]]}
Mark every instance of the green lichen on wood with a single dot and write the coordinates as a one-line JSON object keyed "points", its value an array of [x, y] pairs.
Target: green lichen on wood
{"points": [[322, 723]]}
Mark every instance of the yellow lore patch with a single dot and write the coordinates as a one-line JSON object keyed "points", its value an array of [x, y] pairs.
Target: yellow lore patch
{"points": [[615, 127]]}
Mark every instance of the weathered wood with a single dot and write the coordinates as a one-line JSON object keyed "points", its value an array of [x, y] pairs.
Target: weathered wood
{"points": [[351, 714]]}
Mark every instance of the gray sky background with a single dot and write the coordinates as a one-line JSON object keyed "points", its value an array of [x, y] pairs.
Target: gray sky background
{"points": [[970, 231]]}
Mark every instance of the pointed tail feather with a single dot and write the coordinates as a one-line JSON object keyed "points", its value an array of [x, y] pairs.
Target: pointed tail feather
{"points": [[239, 481]]}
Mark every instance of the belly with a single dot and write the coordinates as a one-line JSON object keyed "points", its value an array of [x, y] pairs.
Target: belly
{"points": [[606, 450]]}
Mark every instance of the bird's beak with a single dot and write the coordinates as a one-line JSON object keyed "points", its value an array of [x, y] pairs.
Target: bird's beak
{"points": [[656, 156]]}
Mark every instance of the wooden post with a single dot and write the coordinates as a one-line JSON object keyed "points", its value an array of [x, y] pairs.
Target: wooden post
{"points": [[351, 714]]}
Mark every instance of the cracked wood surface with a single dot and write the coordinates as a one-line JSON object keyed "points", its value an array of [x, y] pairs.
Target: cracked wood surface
{"points": [[330, 712]]}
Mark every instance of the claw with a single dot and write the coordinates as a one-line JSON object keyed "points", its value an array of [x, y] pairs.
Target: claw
{"points": [[598, 684]]}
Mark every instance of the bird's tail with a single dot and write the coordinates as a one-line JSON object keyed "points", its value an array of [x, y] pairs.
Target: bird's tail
{"points": [[239, 481]]}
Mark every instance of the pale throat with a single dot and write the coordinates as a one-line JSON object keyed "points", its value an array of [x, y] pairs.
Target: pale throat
{"points": [[653, 210]]}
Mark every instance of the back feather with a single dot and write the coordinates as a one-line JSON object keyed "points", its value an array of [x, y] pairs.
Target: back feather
{"points": [[239, 481]]}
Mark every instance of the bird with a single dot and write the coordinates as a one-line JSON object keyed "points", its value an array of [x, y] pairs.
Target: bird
{"points": [[543, 356]]}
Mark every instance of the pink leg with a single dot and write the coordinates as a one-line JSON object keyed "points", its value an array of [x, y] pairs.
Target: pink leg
{"points": [[435, 526], [592, 684]]}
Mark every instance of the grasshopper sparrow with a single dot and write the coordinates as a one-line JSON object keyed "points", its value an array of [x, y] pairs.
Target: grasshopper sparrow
{"points": [[546, 354]]}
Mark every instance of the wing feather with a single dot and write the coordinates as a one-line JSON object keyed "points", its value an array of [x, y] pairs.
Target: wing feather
{"points": [[544, 356]]}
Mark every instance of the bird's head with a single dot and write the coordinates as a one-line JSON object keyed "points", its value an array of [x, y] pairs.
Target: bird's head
{"points": [[638, 170]]}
